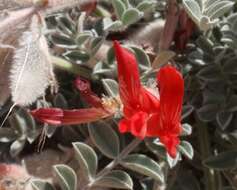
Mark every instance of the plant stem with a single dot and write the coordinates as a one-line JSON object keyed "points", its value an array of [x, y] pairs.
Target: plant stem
{"points": [[114, 163], [70, 67], [204, 141]]}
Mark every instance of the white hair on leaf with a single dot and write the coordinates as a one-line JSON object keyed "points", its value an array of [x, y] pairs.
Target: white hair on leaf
{"points": [[32, 70]]}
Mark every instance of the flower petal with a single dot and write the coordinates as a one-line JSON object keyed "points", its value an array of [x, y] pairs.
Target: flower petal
{"points": [[171, 143], [48, 115], [171, 87], [128, 76], [148, 101], [153, 125], [137, 125], [56, 116]]}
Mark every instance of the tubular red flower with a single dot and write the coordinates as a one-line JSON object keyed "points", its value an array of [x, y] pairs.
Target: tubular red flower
{"points": [[128, 76], [57, 116], [184, 32], [132, 94], [145, 115]]}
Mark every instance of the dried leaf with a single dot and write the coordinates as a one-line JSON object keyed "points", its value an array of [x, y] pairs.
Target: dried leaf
{"points": [[31, 71]]}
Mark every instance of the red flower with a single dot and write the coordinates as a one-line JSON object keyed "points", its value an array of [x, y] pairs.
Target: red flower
{"points": [[146, 115], [57, 116], [186, 29]]}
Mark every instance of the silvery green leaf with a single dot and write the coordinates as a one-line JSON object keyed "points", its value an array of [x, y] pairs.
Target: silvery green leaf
{"points": [[96, 44], [157, 148], [98, 27], [145, 6], [141, 57], [18, 123], [222, 161], [24, 125], [186, 149], [119, 8], [16, 147], [218, 9], [208, 112], [210, 73], [209, 3], [7, 135], [223, 119], [66, 177], [130, 16], [186, 129], [201, 4], [143, 165], [77, 56], [63, 41], [28, 119], [101, 68], [87, 159], [30, 125], [66, 25], [99, 133], [113, 26], [41, 185], [83, 37], [116, 179], [173, 161], [126, 3], [111, 87], [193, 9], [110, 56], [205, 44], [209, 97]]}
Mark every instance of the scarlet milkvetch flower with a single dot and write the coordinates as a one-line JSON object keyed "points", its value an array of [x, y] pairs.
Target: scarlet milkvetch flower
{"points": [[101, 108], [145, 114], [184, 32]]}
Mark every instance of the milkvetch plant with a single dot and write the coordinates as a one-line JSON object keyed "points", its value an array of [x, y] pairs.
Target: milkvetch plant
{"points": [[133, 77], [145, 114]]}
